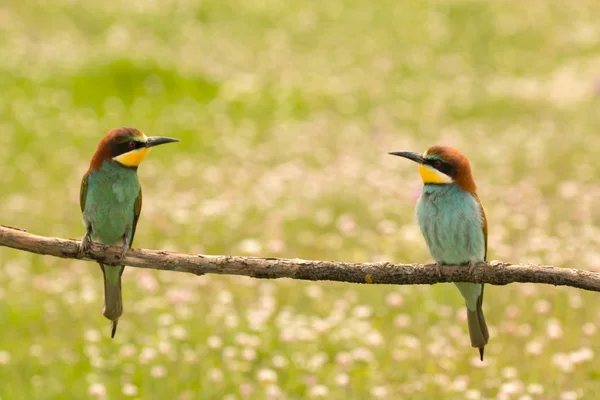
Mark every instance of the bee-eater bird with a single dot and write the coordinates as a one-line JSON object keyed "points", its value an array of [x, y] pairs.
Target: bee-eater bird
{"points": [[452, 220], [111, 202]]}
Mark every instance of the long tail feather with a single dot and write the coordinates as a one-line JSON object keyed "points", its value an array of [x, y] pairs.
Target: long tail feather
{"points": [[114, 328], [478, 330], [113, 301]]}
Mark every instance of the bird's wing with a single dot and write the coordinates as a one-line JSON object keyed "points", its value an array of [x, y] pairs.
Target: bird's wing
{"points": [[485, 227], [137, 209], [83, 191]]}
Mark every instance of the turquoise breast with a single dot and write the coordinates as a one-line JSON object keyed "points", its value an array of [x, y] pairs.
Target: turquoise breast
{"points": [[451, 221]]}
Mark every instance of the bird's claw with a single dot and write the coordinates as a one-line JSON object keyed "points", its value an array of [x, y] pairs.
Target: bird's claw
{"points": [[123, 251], [84, 246], [125, 246], [473, 265], [438, 269]]}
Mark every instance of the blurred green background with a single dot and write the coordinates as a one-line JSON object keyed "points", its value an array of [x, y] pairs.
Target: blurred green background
{"points": [[285, 111]]}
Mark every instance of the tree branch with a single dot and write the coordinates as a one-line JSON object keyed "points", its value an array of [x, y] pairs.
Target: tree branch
{"points": [[273, 268]]}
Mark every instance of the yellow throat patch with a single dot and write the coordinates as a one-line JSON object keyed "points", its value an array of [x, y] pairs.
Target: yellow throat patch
{"points": [[432, 175], [133, 158]]}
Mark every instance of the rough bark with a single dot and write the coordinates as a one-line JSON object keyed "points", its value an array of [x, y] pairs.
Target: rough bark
{"points": [[495, 273]]}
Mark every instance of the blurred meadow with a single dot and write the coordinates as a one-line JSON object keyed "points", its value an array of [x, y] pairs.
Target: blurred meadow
{"points": [[286, 111]]}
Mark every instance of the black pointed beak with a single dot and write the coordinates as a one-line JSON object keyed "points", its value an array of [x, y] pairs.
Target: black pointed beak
{"points": [[416, 157], [156, 140]]}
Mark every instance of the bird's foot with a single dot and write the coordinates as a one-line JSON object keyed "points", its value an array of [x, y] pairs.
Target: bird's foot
{"points": [[125, 246], [124, 249], [438, 269], [84, 246], [472, 266]]}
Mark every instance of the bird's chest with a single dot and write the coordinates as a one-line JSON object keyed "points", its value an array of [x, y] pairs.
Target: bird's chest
{"points": [[452, 223], [109, 206]]}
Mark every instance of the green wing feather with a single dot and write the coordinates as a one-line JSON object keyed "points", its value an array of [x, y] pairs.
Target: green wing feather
{"points": [[485, 227], [137, 209], [83, 191], [485, 231]]}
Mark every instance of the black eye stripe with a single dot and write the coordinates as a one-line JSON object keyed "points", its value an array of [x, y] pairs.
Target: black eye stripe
{"points": [[444, 167], [124, 147]]}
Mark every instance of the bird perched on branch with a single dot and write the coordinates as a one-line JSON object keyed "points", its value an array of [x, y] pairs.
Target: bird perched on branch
{"points": [[111, 202], [452, 220]]}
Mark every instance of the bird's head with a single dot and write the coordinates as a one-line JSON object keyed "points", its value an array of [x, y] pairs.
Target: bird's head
{"points": [[127, 146], [442, 165]]}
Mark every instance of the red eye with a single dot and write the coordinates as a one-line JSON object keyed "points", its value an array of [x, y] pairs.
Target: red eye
{"points": [[132, 145], [437, 164]]}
